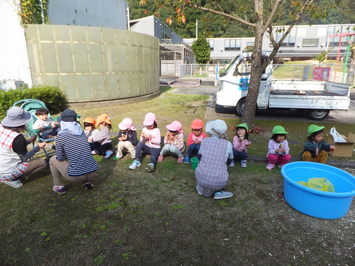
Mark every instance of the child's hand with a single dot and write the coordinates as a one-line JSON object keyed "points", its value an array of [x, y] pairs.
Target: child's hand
{"points": [[41, 145], [249, 142], [53, 124], [123, 137], [90, 139], [283, 150], [120, 139], [241, 137], [332, 148], [277, 150]]}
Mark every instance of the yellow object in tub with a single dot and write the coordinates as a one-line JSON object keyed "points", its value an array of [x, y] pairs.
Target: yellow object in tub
{"points": [[318, 183]]}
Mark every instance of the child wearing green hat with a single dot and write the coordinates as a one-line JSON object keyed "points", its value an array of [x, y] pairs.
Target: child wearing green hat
{"points": [[315, 148], [278, 150], [240, 143]]}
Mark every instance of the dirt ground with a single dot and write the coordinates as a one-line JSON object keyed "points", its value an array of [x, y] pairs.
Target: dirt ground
{"points": [[136, 218]]}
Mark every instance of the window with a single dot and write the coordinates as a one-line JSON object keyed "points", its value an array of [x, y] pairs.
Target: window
{"points": [[232, 45], [310, 42], [211, 43], [290, 39], [243, 68]]}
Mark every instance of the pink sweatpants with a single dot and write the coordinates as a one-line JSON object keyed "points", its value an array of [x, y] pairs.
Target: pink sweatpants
{"points": [[279, 159]]}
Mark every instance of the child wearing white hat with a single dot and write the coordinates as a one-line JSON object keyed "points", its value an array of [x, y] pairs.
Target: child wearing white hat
{"points": [[127, 138]]}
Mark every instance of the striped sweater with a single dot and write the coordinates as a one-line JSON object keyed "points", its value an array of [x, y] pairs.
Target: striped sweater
{"points": [[76, 150]]}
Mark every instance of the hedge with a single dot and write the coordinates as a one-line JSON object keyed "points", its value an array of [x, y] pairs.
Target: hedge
{"points": [[53, 97]]}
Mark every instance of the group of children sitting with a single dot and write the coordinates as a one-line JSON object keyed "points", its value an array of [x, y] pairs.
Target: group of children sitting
{"points": [[149, 142], [99, 137]]}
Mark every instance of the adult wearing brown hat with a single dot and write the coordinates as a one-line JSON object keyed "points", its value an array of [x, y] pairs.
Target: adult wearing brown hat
{"points": [[14, 157], [73, 160]]}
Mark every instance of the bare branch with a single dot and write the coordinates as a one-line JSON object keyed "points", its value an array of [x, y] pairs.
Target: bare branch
{"points": [[272, 14], [234, 17], [279, 43], [272, 39]]}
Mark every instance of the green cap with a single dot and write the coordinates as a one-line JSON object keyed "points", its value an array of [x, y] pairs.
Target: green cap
{"points": [[279, 130], [243, 125], [314, 128]]}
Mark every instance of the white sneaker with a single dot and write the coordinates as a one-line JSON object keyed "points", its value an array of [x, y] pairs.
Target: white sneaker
{"points": [[15, 184], [222, 195], [198, 192], [231, 164], [134, 165], [244, 163], [270, 166]]}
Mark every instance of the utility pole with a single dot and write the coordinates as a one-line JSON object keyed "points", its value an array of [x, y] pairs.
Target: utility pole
{"points": [[42, 11], [196, 29]]}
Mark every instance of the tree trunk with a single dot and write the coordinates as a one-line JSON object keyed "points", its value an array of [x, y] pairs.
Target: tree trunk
{"points": [[351, 72], [255, 78]]}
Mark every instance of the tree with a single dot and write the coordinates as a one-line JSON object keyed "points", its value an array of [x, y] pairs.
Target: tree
{"points": [[202, 50], [259, 15]]}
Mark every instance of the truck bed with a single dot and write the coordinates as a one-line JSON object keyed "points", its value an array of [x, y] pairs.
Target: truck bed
{"points": [[306, 92]]}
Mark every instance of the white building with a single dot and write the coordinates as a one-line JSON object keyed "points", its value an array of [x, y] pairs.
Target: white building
{"points": [[224, 50], [14, 65]]}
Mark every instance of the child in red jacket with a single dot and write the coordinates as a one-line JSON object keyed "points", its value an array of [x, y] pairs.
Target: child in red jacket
{"points": [[194, 140]]}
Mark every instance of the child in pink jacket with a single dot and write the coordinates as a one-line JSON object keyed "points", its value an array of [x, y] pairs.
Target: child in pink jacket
{"points": [[149, 143], [173, 142], [278, 149], [240, 143]]}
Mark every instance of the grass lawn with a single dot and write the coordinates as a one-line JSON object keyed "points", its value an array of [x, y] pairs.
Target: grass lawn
{"points": [[136, 218]]}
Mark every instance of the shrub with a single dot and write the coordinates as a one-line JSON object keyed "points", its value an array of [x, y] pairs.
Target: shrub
{"points": [[53, 97]]}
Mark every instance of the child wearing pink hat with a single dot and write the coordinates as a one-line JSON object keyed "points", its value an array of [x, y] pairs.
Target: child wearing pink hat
{"points": [[127, 139], [174, 142], [149, 143]]}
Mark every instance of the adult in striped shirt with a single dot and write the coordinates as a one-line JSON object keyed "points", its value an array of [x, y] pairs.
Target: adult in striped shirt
{"points": [[73, 160]]}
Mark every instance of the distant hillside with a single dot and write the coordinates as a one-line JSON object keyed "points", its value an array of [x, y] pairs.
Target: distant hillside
{"points": [[211, 25]]}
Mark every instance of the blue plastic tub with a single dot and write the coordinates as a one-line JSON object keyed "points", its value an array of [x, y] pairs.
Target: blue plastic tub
{"points": [[325, 205]]}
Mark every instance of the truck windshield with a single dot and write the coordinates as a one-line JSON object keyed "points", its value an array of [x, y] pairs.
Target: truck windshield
{"points": [[229, 67]]}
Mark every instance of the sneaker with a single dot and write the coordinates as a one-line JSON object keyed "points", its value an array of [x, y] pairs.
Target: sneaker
{"points": [[150, 167], [222, 195], [93, 152], [88, 185], [270, 166], [244, 163], [116, 158], [134, 165], [198, 192], [187, 159], [231, 164], [108, 154], [160, 158], [15, 183], [180, 160], [59, 190]]}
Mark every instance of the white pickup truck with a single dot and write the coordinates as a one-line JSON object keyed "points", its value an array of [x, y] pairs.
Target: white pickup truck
{"points": [[317, 97]]}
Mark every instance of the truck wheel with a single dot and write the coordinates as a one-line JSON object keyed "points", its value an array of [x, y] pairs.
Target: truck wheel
{"points": [[318, 115], [240, 108]]}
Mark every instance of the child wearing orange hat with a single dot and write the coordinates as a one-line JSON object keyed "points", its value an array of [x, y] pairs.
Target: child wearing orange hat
{"points": [[173, 142], [89, 126], [194, 140], [100, 140]]}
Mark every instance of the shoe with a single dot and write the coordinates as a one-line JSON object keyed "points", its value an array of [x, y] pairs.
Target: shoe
{"points": [[15, 183], [180, 160], [93, 152], [160, 158], [150, 167], [270, 166], [244, 163], [116, 158], [88, 185], [198, 192], [108, 154], [187, 159], [134, 165], [59, 190], [231, 164], [222, 195]]}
